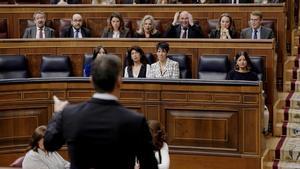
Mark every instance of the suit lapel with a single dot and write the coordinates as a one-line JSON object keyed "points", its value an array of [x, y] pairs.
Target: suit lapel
{"points": [[33, 35], [47, 32], [166, 67], [262, 33], [178, 31], [249, 33]]}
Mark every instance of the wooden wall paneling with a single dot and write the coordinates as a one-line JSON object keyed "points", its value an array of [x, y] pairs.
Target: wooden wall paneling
{"points": [[96, 25]]}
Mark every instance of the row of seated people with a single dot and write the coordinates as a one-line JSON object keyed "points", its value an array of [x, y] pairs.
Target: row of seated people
{"points": [[108, 2], [138, 64], [182, 27]]}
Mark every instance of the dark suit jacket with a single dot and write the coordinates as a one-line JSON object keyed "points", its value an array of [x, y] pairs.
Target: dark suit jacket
{"points": [[265, 33], [31, 32], [101, 134], [156, 35], [193, 32], [69, 33], [123, 34], [215, 33], [68, 1]]}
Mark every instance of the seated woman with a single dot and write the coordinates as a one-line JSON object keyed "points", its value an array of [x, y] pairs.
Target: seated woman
{"points": [[224, 28], [242, 69], [98, 51], [104, 2], [161, 149], [116, 28], [164, 67], [147, 28], [38, 157], [137, 63]]}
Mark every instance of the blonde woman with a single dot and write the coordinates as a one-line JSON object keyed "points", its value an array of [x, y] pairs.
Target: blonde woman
{"points": [[147, 28]]}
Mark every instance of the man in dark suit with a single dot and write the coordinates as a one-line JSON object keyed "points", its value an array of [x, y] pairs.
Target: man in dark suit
{"points": [[76, 30], [256, 31], [39, 31], [100, 133], [186, 27]]}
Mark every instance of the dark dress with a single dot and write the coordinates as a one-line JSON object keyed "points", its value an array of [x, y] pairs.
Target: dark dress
{"points": [[156, 35], [235, 75], [215, 33], [142, 73]]}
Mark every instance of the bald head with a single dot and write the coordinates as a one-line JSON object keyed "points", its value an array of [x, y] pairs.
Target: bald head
{"points": [[184, 18], [76, 21]]}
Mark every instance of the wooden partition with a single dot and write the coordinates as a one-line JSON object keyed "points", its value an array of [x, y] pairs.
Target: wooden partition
{"points": [[206, 121], [34, 49]]}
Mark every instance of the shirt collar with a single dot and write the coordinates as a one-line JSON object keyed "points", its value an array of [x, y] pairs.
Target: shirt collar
{"points": [[104, 96], [38, 28], [74, 30], [258, 29]]}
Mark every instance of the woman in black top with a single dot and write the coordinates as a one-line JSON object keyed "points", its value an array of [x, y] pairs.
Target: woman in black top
{"points": [[147, 28], [137, 63], [224, 28], [242, 68]]}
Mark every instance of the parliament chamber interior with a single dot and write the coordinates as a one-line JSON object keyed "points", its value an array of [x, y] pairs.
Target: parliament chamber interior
{"points": [[210, 122]]}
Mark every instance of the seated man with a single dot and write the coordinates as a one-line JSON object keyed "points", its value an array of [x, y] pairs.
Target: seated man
{"points": [[186, 27], [39, 31], [256, 31], [76, 30]]}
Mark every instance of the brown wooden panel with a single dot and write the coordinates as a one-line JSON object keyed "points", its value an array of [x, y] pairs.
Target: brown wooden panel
{"points": [[250, 130], [79, 94], [250, 99], [228, 98], [174, 96], [152, 112], [133, 95], [10, 96], [208, 129], [200, 97], [36, 95]]}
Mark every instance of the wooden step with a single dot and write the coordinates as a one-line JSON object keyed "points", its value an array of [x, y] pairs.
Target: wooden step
{"points": [[287, 129], [288, 115]]}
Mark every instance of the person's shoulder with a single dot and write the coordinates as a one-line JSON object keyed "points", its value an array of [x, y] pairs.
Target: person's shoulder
{"points": [[246, 29], [48, 28], [266, 28], [32, 155]]}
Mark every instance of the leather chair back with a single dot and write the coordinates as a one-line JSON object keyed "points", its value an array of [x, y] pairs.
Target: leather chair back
{"points": [[213, 67], [258, 66], [13, 66], [55, 66], [183, 64], [3, 28]]}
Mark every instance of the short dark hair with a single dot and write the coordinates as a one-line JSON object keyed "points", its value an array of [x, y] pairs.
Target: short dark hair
{"points": [[97, 50], [243, 53], [37, 135], [139, 50], [105, 72], [163, 46]]}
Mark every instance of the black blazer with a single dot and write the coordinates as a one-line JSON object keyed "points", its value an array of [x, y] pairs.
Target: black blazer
{"points": [[215, 33], [156, 35], [69, 33], [101, 134], [193, 32]]}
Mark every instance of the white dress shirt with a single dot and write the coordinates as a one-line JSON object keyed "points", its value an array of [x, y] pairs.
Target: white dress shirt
{"points": [[79, 33], [37, 35], [258, 33], [116, 34], [105, 96]]}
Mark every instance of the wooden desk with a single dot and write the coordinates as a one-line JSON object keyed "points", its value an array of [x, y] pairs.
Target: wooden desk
{"points": [[204, 120]]}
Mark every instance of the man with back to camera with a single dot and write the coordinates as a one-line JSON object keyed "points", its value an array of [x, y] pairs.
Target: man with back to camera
{"points": [[185, 29], [39, 31], [256, 30], [76, 30], [100, 133]]}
